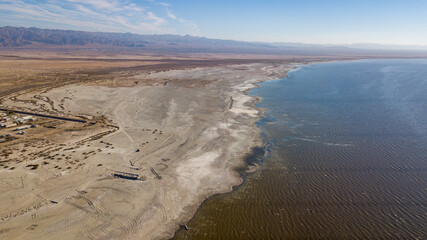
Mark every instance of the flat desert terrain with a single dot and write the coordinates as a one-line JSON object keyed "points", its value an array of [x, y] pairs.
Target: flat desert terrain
{"points": [[152, 142]]}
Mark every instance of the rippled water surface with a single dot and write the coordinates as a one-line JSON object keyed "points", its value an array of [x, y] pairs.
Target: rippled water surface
{"points": [[347, 158]]}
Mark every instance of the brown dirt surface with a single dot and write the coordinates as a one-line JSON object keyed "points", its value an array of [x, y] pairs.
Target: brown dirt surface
{"points": [[180, 124]]}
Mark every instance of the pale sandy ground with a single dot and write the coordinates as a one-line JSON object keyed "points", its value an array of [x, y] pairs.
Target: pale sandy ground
{"points": [[192, 128]]}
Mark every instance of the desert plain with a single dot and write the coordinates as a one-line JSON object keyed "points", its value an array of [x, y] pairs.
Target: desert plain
{"points": [[154, 138], [120, 145]]}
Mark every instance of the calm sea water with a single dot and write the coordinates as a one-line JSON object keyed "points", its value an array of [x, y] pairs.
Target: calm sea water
{"points": [[347, 159]]}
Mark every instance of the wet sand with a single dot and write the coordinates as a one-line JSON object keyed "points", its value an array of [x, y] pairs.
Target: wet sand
{"points": [[183, 136]]}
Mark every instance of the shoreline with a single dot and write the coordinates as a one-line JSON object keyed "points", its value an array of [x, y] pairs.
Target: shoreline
{"points": [[269, 196], [244, 167], [187, 134], [243, 170], [182, 134]]}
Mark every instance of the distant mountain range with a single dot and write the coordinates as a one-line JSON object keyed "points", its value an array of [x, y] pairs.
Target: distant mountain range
{"points": [[20, 37], [26, 37]]}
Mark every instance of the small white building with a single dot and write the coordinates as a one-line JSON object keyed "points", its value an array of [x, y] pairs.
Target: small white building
{"points": [[25, 119]]}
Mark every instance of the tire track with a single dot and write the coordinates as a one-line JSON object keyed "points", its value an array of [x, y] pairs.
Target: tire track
{"points": [[165, 217], [104, 225]]}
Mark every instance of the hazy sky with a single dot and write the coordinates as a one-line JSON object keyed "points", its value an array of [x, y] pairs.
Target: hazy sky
{"points": [[308, 21]]}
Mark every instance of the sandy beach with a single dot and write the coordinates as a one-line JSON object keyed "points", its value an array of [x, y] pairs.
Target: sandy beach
{"points": [[180, 133]]}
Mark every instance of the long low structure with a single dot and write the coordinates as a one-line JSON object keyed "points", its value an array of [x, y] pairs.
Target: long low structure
{"points": [[7, 125], [126, 175], [44, 115], [22, 128]]}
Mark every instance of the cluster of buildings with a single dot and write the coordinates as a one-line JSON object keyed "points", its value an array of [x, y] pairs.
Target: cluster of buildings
{"points": [[7, 121]]}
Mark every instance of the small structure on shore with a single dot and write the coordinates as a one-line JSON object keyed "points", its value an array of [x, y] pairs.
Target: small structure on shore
{"points": [[126, 175]]}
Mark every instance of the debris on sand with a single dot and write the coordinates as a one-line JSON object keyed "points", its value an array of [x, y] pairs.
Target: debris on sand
{"points": [[156, 174]]}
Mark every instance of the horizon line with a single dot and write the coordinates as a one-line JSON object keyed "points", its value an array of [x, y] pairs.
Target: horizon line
{"points": [[237, 40]]}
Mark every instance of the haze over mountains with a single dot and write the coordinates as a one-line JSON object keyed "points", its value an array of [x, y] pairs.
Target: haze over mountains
{"points": [[20, 37]]}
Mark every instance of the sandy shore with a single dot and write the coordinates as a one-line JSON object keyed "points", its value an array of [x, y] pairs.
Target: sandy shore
{"points": [[183, 135]]}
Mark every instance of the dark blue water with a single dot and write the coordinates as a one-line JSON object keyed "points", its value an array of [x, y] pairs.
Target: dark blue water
{"points": [[348, 158]]}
